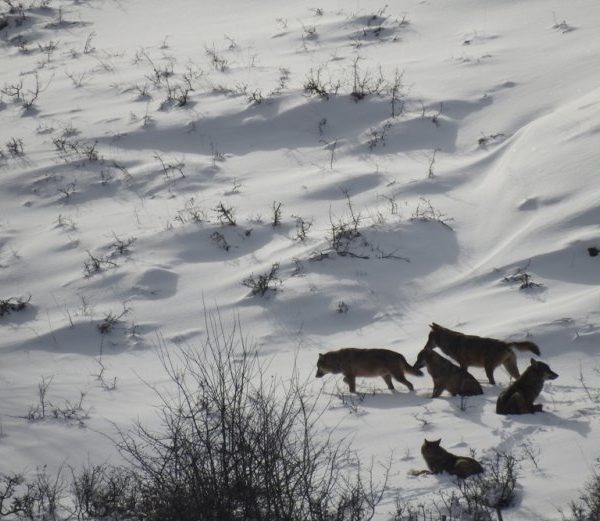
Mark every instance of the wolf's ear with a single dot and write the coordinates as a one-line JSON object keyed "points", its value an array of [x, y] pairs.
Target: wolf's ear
{"points": [[532, 361], [437, 442]]}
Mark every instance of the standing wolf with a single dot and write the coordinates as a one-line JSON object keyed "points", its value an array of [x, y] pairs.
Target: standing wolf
{"points": [[518, 397], [353, 362], [446, 376], [439, 460], [478, 351]]}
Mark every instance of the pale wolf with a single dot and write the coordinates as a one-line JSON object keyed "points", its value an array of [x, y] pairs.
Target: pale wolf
{"points": [[353, 362], [446, 376], [518, 397], [472, 350], [439, 460]]}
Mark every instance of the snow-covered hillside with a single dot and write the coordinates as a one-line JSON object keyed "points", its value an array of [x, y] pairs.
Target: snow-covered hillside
{"points": [[422, 160]]}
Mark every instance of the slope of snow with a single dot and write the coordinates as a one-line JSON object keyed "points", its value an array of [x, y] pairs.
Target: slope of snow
{"points": [[489, 171]]}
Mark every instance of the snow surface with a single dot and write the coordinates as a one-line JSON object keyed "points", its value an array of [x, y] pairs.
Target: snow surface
{"points": [[498, 139]]}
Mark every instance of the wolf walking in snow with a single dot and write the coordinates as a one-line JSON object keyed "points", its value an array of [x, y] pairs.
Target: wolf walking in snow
{"points": [[446, 376], [472, 350], [518, 397], [353, 362]]}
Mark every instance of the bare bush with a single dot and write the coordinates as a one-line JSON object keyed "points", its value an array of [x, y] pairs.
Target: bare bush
{"points": [[314, 85], [261, 284], [160, 73], [72, 411], [170, 166], [107, 385], [522, 277], [111, 320], [104, 492], [345, 231], [397, 93], [302, 228], [74, 149], [95, 264], [495, 489], [426, 212], [235, 445], [376, 136], [14, 146], [38, 498], [217, 60], [12, 304], [122, 246], [67, 191], [32, 95], [364, 83], [486, 140], [276, 213], [77, 78], [13, 90], [225, 215], [68, 412], [587, 506], [39, 410]]}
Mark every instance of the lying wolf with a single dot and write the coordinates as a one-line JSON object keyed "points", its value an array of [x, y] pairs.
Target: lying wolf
{"points": [[518, 397], [439, 460], [471, 350], [352, 362], [447, 376]]}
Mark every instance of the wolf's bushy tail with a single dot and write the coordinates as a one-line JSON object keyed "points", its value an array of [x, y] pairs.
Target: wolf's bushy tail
{"points": [[412, 370], [526, 346]]}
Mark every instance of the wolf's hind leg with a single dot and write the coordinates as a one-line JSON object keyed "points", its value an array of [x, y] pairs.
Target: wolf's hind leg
{"points": [[388, 380], [489, 371], [510, 364], [518, 405], [399, 375], [437, 390]]}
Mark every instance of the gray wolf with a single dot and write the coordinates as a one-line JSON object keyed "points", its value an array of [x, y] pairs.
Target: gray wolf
{"points": [[353, 362], [447, 376], [472, 350], [518, 397], [439, 460]]}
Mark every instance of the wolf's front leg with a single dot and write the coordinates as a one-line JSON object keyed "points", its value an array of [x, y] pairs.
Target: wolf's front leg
{"points": [[351, 381]]}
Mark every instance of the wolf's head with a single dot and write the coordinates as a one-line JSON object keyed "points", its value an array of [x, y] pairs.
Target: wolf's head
{"points": [[327, 363], [542, 370], [436, 336], [431, 338], [320, 366], [430, 448]]}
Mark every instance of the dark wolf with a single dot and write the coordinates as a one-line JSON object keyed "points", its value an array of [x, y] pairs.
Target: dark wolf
{"points": [[518, 397], [353, 362], [472, 350], [447, 376], [439, 460]]}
